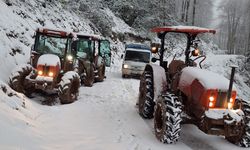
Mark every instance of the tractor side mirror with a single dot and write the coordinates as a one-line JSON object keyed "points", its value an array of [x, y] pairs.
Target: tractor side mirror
{"points": [[122, 56], [155, 47], [196, 52], [154, 60], [32, 47], [74, 45]]}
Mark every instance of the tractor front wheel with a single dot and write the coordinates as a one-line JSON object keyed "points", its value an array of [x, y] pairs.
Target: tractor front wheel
{"points": [[17, 79], [68, 89], [167, 118], [243, 139], [146, 95]]}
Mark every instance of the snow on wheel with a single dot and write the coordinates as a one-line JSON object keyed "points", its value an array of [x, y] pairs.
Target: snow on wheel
{"points": [[146, 96], [167, 118], [101, 73], [17, 78], [243, 139], [68, 89]]}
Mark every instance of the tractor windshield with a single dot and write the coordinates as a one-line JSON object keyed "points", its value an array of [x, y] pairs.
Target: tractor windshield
{"points": [[138, 56], [51, 45], [85, 49]]}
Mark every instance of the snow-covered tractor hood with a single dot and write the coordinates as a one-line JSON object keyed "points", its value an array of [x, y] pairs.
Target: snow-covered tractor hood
{"points": [[205, 87], [49, 60], [48, 65], [208, 79]]}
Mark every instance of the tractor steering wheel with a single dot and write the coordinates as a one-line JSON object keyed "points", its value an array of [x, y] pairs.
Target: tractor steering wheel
{"points": [[203, 58]]}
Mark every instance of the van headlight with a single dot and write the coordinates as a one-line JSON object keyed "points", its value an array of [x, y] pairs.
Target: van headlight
{"points": [[125, 66]]}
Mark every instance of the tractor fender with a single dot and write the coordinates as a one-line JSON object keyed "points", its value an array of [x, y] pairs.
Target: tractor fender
{"points": [[100, 61], [159, 78], [87, 64]]}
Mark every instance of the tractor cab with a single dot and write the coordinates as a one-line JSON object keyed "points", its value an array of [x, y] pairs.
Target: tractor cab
{"points": [[53, 43], [91, 46], [93, 55], [190, 32]]}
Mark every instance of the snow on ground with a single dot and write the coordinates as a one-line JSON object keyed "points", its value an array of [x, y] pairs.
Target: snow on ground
{"points": [[104, 117]]}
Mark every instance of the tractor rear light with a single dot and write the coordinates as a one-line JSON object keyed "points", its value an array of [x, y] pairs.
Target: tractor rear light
{"points": [[211, 101], [231, 100], [230, 105], [211, 104], [211, 98]]}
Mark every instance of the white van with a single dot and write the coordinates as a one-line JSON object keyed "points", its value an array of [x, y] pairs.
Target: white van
{"points": [[135, 59]]}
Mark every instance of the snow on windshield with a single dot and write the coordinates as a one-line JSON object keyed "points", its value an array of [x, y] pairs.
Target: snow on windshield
{"points": [[52, 45]]}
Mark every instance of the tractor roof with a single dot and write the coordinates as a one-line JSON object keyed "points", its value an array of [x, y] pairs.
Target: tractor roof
{"points": [[92, 36], [183, 29], [53, 32]]}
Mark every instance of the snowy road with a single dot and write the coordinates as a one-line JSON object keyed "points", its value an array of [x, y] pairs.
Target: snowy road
{"points": [[104, 118]]}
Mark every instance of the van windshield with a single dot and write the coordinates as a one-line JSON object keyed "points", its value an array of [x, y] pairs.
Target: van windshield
{"points": [[137, 56]]}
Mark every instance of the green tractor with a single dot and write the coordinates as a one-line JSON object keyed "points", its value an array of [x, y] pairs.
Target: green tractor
{"points": [[93, 53]]}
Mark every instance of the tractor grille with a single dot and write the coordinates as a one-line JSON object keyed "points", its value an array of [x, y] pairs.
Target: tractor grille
{"points": [[221, 101], [46, 70]]}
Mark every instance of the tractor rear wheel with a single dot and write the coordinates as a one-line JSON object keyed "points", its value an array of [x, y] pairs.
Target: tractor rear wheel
{"points": [[17, 79], [243, 139], [89, 76], [101, 73], [68, 89], [167, 118], [146, 96]]}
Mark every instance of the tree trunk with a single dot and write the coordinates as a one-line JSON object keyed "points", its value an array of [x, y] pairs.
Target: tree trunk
{"points": [[187, 11], [183, 7], [194, 8]]}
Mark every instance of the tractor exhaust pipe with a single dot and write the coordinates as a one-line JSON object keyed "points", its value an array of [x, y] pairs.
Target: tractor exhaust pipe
{"points": [[231, 83]]}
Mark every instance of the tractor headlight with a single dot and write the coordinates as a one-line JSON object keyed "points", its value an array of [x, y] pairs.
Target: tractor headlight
{"points": [[125, 66], [40, 72], [51, 74], [70, 58]]}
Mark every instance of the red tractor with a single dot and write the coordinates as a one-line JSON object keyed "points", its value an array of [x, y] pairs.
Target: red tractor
{"points": [[167, 93], [56, 65]]}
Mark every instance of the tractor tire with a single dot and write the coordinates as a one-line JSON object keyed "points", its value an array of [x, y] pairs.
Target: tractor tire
{"points": [[17, 79], [146, 96], [243, 139], [89, 77], [167, 118], [68, 89], [101, 73]]}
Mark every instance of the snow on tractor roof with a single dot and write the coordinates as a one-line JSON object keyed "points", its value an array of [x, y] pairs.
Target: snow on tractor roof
{"points": [[55, 32], [207, 78], [183, 29]]}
